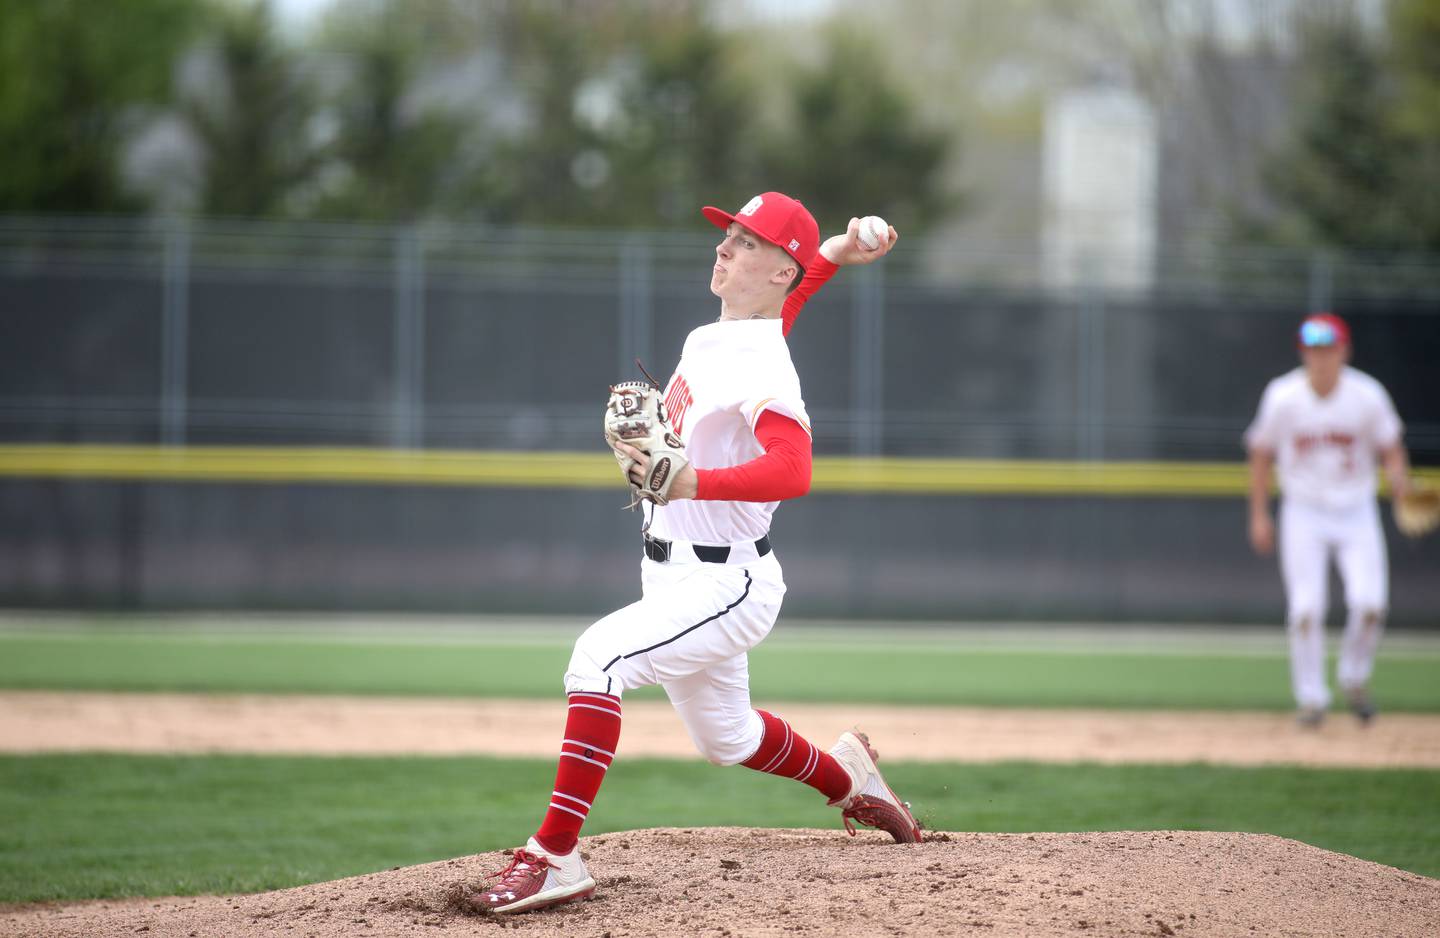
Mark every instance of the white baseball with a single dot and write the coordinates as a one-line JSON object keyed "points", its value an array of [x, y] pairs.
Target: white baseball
{"points": [[874, 232]]}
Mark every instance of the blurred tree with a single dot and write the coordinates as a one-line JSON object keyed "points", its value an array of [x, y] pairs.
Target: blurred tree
{"points": [[532, 177], [608, 112], [686, 130], [251, 109], [1415, 37], [636, 116], [647, 110], [1359, 169], [854, 142], [74, 76], [391, 159], [1335, 177]]}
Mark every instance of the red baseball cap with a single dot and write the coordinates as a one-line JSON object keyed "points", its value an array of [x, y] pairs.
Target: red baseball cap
{"points": [[777, 218], [1320, 330]]}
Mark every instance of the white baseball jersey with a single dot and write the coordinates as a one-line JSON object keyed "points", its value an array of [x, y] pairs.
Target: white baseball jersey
{"points": [[729, 374], [696, 622], [1325, 446]]}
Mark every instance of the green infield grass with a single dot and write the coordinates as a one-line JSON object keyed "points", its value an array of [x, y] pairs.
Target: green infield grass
{"points": [[85, 826], [904, 668]]}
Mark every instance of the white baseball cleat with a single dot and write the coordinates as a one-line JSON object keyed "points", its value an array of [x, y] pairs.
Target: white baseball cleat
{"points": [[870, 801], [536, 879]]}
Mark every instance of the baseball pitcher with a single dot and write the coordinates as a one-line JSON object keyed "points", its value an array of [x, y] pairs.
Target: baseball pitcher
{"points": [[708, 458]]}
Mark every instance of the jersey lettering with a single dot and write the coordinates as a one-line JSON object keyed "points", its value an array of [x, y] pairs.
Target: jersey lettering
{"points": [[678, 400], [1304, 442], [1306, 445]]}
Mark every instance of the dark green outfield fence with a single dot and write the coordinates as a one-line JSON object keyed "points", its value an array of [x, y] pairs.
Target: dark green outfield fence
{"points": [[230, 333], [137, 545]]}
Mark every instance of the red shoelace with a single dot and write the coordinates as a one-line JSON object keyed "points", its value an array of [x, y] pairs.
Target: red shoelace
{"points": [[512, 877], [873, 813]]}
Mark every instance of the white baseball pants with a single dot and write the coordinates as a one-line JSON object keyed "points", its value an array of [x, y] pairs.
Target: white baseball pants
{"points": [[689, 633], [1309, 535]]}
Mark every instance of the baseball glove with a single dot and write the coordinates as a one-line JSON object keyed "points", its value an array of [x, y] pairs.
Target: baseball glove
{"points": [[1418, 512], [635, 414]]}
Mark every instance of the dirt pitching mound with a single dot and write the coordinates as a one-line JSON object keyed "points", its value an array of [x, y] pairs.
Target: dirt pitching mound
{"points": [[736, 882]]}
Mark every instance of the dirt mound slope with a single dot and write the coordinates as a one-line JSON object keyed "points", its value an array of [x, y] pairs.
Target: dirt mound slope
{"points": [[738, 882]]}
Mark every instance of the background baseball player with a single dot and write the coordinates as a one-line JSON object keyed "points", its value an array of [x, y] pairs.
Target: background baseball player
{"points": [[1323, 425], [712, 583]]}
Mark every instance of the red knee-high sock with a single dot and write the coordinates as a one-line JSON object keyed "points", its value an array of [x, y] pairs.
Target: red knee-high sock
{"points": [[785, 752], [592, 730]]}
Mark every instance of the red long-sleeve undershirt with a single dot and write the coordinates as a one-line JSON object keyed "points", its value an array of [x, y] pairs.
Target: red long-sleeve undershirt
{"points": [[782, 472], [819, 272]]}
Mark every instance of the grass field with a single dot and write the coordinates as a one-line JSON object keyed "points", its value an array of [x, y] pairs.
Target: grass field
{"points": [[82, 826], [901, 667], [86, 826]]}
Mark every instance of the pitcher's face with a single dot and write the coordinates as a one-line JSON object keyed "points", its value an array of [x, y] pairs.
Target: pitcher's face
{"points": [[749, 268]]}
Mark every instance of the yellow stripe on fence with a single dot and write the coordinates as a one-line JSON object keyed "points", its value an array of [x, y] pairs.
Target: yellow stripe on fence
{"points": [[305, 464], [833, 474], [1026, 477]]}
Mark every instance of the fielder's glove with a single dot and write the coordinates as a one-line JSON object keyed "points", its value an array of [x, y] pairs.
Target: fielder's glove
{"points": [[1418, 512], [635, 414]]}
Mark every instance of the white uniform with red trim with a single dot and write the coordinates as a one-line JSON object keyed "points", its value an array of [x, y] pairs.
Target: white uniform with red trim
{"points": [[697, 620], [1325, 451]]}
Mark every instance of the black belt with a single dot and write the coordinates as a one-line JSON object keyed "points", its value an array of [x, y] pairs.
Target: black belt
{"points": [[658, 550]]}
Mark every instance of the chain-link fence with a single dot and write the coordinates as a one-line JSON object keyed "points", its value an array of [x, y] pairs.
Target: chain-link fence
{"points": [[129, 330], [228, 332]]}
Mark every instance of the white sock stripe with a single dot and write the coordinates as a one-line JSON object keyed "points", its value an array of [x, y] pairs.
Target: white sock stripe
{"points": [[576, 755], [561, 807], [789, 746], [610, 702], [811, 764], [576, 742], [782, 752], [561, 794], [582, 706], [594, 757]]}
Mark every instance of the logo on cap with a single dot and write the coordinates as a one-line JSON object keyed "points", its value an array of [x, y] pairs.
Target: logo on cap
{"points": [[752, 206], [794, 245]]}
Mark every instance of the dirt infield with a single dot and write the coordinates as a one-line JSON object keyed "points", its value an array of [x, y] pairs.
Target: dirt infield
{"points": [[733, 882], [36, 721]]}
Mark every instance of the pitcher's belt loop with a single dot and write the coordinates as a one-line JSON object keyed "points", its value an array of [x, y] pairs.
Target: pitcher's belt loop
{"points": [[660, 550]]}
